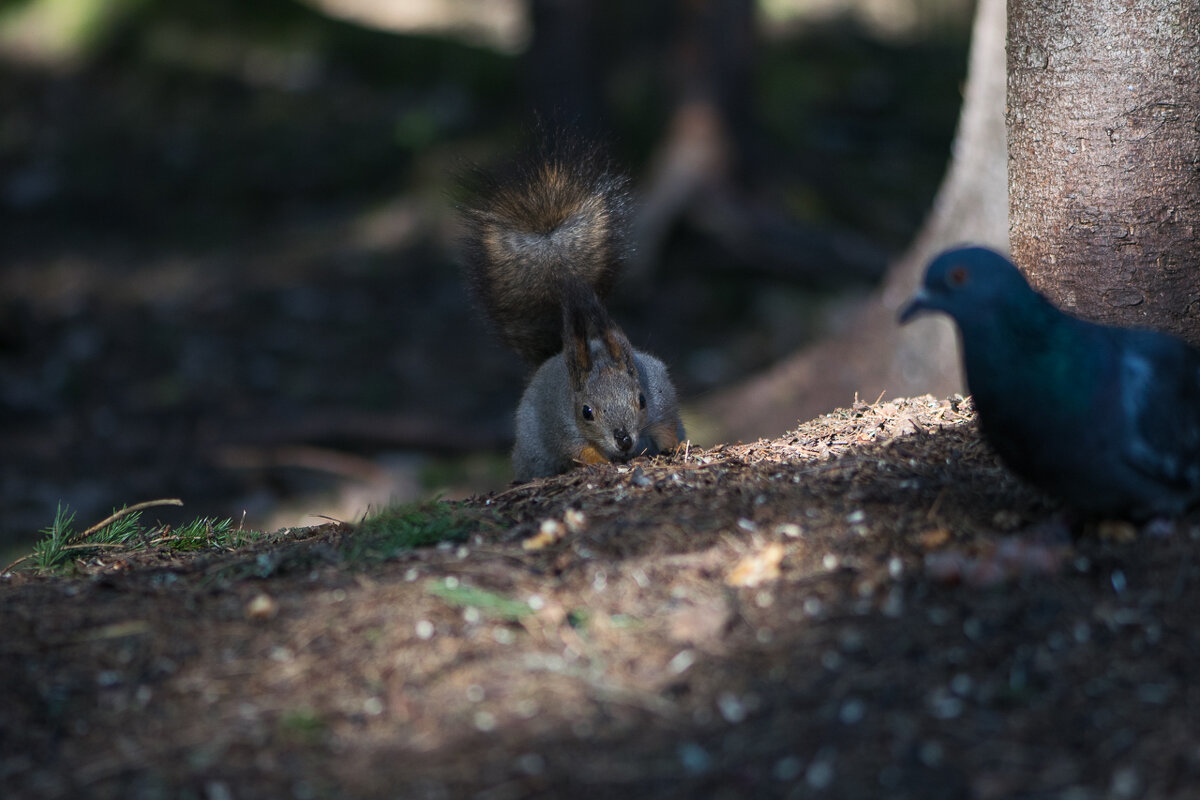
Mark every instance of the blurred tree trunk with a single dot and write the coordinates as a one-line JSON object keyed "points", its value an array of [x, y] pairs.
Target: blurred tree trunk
{"points": [[708, 159], [872, 355], [564, 70], [704, 57], [709, 64], [1104, 148]]}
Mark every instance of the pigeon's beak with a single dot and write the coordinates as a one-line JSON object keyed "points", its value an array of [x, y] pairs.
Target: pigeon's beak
{"points": [[917, 304]]}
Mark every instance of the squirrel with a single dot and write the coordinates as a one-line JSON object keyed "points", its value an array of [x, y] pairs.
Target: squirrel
{"points": [[542, 251]]}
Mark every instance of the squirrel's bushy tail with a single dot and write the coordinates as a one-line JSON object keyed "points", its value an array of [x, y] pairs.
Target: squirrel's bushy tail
{"points": [[560, 222]]}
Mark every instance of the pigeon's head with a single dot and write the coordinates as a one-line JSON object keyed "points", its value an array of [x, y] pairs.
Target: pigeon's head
{"points": [[966, 282]]}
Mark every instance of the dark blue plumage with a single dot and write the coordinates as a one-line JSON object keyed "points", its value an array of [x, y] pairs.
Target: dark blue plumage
{"points": [[1107, 419]]}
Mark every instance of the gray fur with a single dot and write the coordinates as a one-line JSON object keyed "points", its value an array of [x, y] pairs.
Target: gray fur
{"points": [[551, 433], [662, 407]]}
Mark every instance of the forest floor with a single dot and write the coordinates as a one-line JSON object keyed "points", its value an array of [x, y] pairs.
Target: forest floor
{"points": [[869, 606]]}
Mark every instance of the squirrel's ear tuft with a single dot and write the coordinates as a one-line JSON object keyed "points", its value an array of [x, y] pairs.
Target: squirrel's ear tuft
{"points": [[619, 349], [577, 348]]}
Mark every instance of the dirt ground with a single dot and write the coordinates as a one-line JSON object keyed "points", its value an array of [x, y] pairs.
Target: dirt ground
{"points": [[866, 607]]}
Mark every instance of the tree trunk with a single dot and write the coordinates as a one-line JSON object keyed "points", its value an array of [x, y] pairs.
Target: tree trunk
{"points": [[1104, 155], [872, 355]]}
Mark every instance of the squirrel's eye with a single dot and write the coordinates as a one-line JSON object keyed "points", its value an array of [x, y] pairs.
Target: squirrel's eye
{"points": [[587, 413], [641, 400]]}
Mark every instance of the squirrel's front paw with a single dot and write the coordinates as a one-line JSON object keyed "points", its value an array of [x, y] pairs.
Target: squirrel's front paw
{"points": [[590, 454], [664, 436]]}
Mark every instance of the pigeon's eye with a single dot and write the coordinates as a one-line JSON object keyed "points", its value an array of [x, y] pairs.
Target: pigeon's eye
{"points": [[587, 413], [958, 276]]}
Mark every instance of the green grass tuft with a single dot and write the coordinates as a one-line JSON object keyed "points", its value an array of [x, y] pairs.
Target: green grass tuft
{"points": [[125, 531], [60, 543], [378, 538], [405, 527], [203, 534], [303, 725], [489, 604], [50, 553]]}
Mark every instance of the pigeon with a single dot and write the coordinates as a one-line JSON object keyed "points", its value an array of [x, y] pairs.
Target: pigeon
{"points": [[1106, 419]]}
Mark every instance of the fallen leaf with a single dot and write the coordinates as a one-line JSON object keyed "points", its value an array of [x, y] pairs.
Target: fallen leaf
{"points": [[549, 532], [757, 568], [935, 537]]}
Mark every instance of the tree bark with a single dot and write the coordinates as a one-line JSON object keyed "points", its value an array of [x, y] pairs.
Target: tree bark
{"points": [[872, 355], [1104, 157]]}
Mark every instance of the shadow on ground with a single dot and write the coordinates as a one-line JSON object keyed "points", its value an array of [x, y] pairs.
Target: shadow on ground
{"points": [[868, 606]]}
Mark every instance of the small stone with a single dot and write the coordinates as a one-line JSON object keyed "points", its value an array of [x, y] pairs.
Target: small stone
{"points": [[1118, 581], [681, 662], [1125, 783], [1006, 520], [694, 758], [531, 763], [787, 769], [575, 520], [1117, 531], [262, 606], [731, 707], [789, 529], [819, 774], [852, 711], [931, 753]]}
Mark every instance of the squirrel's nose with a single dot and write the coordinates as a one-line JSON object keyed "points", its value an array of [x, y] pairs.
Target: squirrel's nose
{"points": [[621, 437]]}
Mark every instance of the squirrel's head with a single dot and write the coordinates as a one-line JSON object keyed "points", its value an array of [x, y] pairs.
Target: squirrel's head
{"points": [[610, 403]]}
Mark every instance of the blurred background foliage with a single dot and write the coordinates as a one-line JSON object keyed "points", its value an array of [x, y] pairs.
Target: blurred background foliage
{"points": [[227, 255]]}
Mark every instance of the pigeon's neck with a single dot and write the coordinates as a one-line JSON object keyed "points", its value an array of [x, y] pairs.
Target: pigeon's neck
{"points": [[1033, 350]]}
